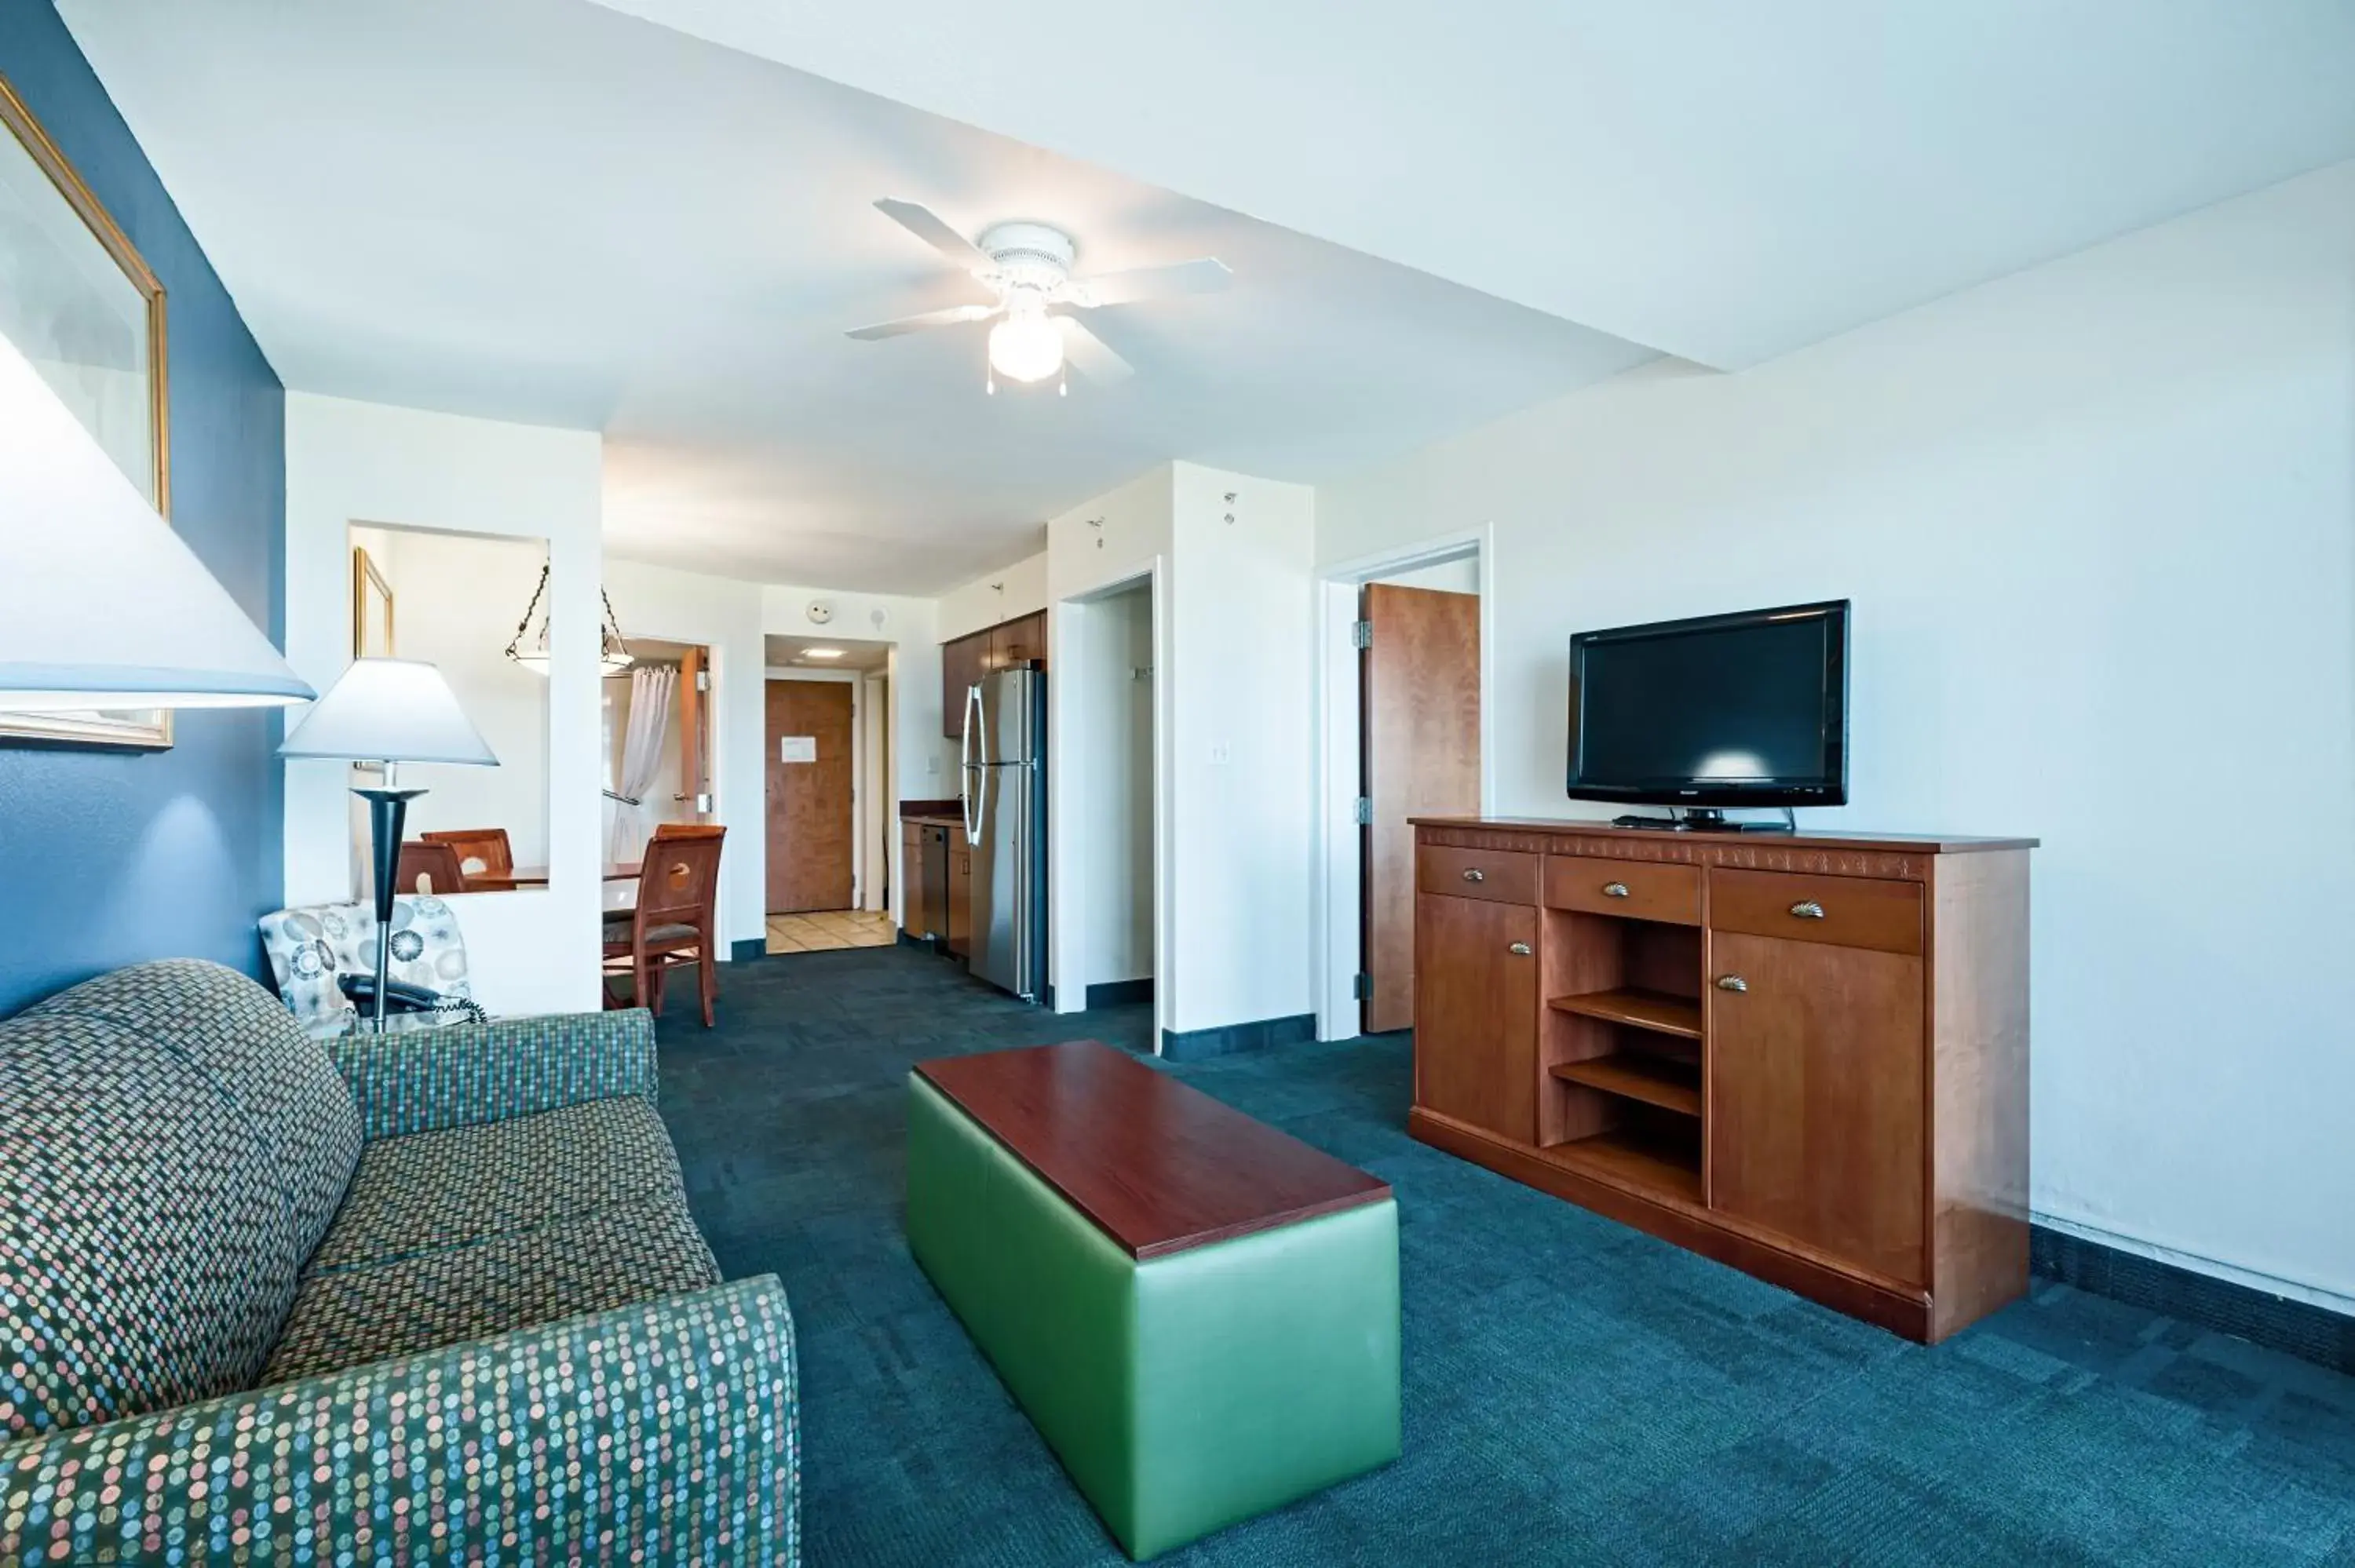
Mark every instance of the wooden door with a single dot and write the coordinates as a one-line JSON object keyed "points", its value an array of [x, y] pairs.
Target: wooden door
{"points": [[962, 664], [812, 820], [1476, 1037], [1418, 683], [1816, 1113], [694, 737]]}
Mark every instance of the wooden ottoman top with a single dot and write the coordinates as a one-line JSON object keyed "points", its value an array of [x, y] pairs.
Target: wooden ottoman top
{"points": [[1157, 1165]]}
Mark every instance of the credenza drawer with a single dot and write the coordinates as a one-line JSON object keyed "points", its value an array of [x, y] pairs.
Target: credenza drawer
{"points": [[1502, 877], [1847, 911], [1642, 890]]}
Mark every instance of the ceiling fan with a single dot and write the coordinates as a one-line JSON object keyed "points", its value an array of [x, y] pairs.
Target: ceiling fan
{"points": [[1028, 267]]}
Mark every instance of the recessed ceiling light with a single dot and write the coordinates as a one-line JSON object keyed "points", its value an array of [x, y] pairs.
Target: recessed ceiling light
{"points": [[821, 653]]}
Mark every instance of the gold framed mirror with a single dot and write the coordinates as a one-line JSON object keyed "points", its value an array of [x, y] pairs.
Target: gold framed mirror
{"points": [[77, 300]]}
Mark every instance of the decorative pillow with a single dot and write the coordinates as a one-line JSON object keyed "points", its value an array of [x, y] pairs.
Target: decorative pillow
{"points": [[148, 1255]]}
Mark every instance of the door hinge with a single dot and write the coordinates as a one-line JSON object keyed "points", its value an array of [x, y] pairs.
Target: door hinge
{"points": [[1365, 813], [1361, 634], [1363, 989]]}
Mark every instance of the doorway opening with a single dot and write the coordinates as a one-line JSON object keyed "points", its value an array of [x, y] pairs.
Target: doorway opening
{"points": [[1403, 682], [1108, 800], [655, 724], [827, 865]]}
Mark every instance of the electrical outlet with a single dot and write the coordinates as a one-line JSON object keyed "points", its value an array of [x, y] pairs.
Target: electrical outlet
{"points": [[931, 766], [1219, 754]]}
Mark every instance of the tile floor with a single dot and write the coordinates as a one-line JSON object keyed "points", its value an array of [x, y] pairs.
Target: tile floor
{"points": [[828, 930]]}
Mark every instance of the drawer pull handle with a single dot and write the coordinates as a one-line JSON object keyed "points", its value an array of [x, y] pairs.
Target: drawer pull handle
{"points": [[1731, 982], [1614, 890], [1473, 873], [1520, 949], [1807, 909]]}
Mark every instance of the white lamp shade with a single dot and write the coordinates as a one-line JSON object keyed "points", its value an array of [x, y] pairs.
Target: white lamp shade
{"points": [[389, 710], [101, 605]]}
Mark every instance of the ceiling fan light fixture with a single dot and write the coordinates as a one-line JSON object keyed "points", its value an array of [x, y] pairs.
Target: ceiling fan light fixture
{"points": [[1026, 346]]}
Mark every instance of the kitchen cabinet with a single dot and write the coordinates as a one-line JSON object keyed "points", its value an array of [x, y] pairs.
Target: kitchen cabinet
{"points": [[966, 660], [959, 921]]}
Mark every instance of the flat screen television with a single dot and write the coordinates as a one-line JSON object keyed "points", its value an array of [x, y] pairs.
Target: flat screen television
{"points": [[1726, 710]]}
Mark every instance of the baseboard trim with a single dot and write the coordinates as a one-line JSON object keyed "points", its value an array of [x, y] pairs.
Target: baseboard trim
{"points": [[744, 949], [2294, 1327], [1260, 1035], [1120, 993]]}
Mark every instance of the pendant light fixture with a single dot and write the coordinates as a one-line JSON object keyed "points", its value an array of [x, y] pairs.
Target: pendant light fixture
{"points": [[530, 650]]}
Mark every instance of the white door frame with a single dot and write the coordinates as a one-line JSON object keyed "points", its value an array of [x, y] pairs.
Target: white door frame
{"points": [[1338, 914], [1067, 941]]}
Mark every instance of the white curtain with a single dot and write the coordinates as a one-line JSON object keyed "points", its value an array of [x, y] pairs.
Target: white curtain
{"points": [[642, 750]]}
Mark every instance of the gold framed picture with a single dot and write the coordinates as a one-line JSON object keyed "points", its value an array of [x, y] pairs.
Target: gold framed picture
{"points": [[371, 608], [77, 300]]}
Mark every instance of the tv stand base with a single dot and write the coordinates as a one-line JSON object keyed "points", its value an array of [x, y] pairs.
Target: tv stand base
{"points": [[1706, 819]]}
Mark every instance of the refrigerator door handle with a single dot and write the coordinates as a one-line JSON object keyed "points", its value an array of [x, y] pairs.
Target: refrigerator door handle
{"points": [[969, 777]]}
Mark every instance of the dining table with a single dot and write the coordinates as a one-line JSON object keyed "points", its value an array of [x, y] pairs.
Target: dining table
{"points": [[619, 882]]}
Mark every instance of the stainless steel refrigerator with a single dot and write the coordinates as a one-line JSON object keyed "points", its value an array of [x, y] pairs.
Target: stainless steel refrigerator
{"points": [[1004, 783]]}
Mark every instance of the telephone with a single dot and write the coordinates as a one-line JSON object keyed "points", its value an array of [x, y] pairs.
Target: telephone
{"points": [[399, 996]]}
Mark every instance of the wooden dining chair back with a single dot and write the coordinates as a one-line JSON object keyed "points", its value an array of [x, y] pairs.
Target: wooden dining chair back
{"points": [[676, 922], [483, 855], [427, 868]]}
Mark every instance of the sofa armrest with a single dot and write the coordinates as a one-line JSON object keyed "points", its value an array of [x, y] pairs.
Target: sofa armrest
{"points": [[667, 1431], [427, 1078]]}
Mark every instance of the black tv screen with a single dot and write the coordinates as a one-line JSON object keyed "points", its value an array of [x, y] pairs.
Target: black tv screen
{"points": [[1728, 710]]}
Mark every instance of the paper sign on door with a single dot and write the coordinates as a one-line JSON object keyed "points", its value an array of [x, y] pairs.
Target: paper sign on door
{"points": [[797, 748]]}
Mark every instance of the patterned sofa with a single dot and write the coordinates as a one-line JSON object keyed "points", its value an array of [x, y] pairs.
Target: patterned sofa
{"points": [[424, 1299]]}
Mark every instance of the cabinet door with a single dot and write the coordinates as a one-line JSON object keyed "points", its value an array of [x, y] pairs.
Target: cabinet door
{"points": [[914, 918], [962, 664], [1817, 1114], [1017, 642], [958, 922], [1476, 1014]]}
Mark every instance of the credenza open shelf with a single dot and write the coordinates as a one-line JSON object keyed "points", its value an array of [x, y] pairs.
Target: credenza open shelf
{"points": [[1806, 1056]]}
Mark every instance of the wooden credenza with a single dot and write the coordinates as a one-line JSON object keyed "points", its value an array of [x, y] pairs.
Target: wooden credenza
{"points": [[1804, 1055]]}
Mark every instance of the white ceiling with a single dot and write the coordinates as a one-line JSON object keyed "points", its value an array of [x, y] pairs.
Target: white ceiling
{"points": [[862, 656], [1725, 180], [545, 211]]}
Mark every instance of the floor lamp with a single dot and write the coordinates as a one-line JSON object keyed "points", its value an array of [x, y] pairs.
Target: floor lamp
{"points": [[387, 711], [102, 607]]}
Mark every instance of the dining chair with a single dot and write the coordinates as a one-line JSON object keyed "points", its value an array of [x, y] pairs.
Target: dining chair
{"points": [[483, 855], [429, 868], [676, 921]]}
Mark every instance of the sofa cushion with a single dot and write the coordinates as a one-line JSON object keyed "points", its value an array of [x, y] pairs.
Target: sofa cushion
{"points": [[281, 1083], [147, 1249], [433, 1190], [594, 1263]]}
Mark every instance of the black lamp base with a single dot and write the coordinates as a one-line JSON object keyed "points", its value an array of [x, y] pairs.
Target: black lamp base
{"points": [[388, 811]]}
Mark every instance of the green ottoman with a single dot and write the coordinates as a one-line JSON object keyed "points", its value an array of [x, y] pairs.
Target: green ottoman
{"points": [[1200, 1314]]}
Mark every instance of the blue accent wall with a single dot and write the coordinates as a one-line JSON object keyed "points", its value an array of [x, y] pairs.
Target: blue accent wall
{"points": [[110, 857]]}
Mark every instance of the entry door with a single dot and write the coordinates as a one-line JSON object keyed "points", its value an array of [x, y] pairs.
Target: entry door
{"points": [[811, 820], [1418, 687]]}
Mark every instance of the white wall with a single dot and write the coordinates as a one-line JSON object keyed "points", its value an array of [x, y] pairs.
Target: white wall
{"points": [[350, 462], [1017, 590], [1243, 746], [2098, 519], [456, 599], [725, 618]]}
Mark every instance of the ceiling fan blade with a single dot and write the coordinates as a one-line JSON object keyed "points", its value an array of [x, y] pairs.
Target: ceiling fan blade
{"points": [[1204, 275], [955, 315], [1091, 356], [929, 227]]}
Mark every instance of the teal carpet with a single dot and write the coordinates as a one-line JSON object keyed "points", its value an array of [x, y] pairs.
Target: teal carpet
{"points": [[1575, 1392]]}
